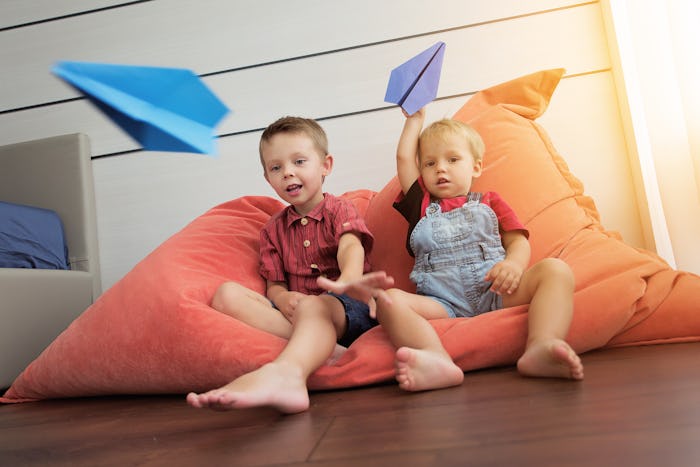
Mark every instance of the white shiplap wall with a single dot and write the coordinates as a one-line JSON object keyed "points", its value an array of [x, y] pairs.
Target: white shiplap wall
{"points": [[323, 59]]}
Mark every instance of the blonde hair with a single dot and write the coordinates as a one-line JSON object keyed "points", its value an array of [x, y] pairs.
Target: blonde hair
{"points": [[445, 126], [301, 125]]}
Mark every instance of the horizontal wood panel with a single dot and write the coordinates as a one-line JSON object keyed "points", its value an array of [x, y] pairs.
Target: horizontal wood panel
{"points": [[14, 13], [355, 80], [214, 35], [144, 198]]}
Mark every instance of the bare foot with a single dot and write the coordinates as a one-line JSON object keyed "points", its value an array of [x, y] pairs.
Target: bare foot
{"points": [[275, 385], [420, 370], [552, 358]]}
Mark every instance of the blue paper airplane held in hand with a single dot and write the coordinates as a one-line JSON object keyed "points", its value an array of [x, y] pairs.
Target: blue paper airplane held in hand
{"points": [[414, 83], [164, 109]]}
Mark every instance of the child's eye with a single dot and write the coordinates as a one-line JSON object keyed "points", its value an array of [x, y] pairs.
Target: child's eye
{"points": [[454, 159], [429, 163], [300, 161], [274, 168]]}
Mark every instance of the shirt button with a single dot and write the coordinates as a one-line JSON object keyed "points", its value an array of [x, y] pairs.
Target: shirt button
{"points": [[314, 266], [304, 221], [306, 243]]}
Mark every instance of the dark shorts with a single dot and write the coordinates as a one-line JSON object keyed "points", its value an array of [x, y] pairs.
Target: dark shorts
{"points": [[357, 319]]}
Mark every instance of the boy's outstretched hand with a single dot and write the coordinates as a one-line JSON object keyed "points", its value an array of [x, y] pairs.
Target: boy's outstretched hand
{"points": [[367, 288]]}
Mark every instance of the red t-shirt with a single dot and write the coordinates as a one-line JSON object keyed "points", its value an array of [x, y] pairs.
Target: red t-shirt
{"points": [[413, 204], [296, 250]]}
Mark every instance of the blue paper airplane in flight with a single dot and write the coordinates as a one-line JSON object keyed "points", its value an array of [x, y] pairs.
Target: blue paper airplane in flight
{"points": [[414, 83], [164, 109]]}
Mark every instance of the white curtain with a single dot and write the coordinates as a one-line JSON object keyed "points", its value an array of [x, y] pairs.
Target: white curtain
{"points": [[654, 48]]}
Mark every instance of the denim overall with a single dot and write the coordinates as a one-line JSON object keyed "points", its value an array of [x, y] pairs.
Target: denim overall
{"points": [[453, 252]]}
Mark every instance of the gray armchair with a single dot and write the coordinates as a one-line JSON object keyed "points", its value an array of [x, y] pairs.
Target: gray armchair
{"points": [[36, 304]]}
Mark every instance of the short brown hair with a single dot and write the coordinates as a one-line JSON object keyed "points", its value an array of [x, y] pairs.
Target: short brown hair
{"points": [[306, 126], [444, 126]]}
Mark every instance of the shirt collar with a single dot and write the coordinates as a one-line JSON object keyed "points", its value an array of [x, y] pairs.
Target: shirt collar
{"points": [[316, 213], [446, 204]]}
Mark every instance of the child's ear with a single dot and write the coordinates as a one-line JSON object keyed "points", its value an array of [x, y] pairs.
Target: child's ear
{"points": [[327, 164], [477, 169]]}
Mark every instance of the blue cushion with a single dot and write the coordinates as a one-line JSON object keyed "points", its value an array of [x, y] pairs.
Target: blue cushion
{"points": [[31, 237]]}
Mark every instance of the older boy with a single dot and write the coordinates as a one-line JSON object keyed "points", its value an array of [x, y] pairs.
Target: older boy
{"points": [[317, 235]]}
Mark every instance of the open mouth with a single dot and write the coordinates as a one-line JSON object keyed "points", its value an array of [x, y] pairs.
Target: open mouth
{"points": [[441, 181], [293, 188]]}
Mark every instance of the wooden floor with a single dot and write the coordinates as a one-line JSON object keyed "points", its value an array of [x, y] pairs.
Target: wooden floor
{"points": [[637, 407]]}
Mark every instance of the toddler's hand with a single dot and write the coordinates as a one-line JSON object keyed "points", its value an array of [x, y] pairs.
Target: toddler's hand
{"points": [[418, 114], [505, 277]]}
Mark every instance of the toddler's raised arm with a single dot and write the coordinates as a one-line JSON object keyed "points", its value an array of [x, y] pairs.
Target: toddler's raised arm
{"points": [[407, 150]]}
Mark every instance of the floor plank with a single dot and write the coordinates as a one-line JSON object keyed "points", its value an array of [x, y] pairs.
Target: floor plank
{"points": [[637, 406]]}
